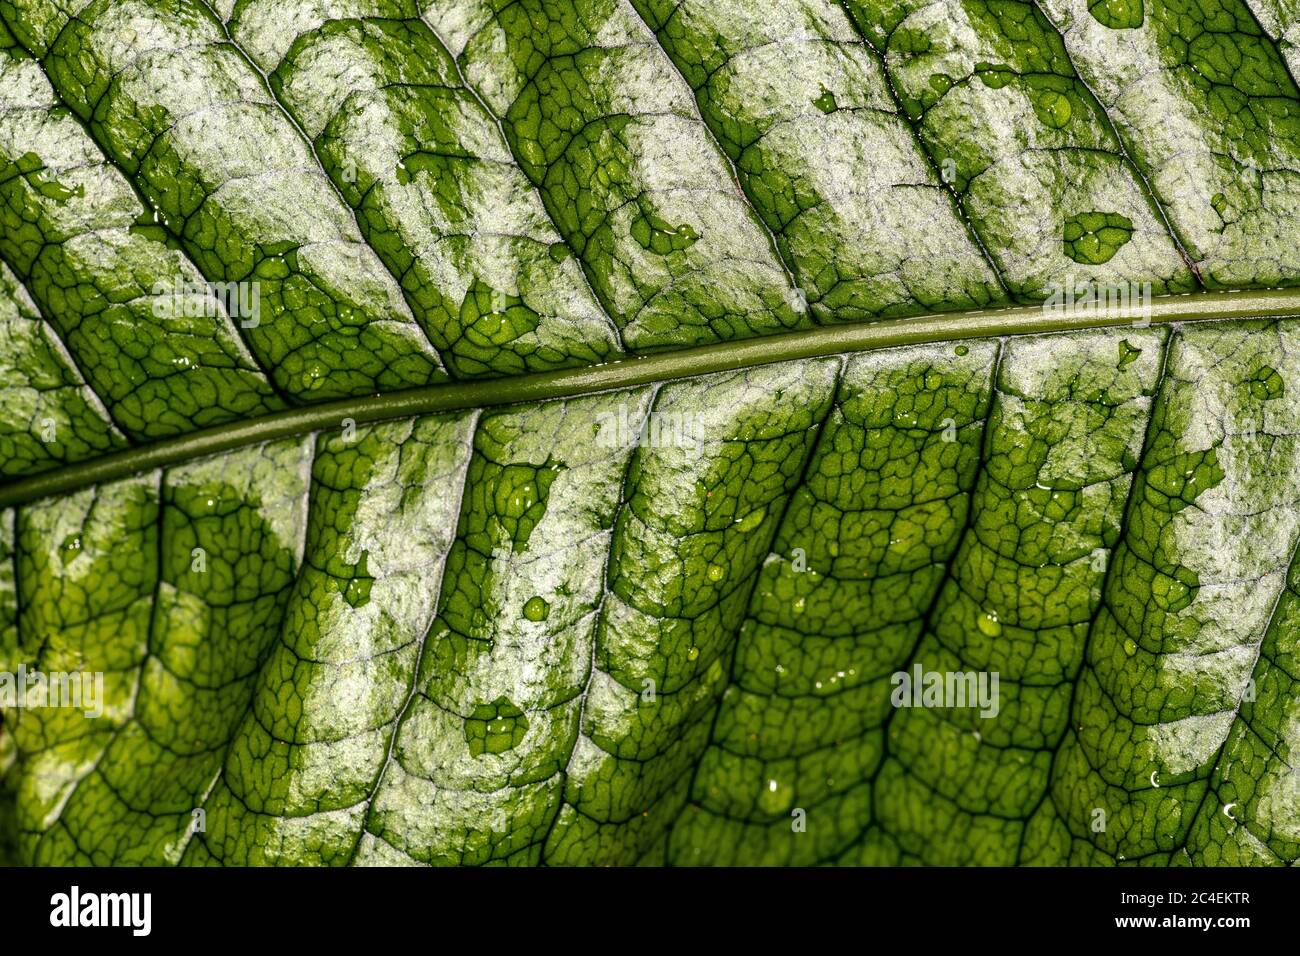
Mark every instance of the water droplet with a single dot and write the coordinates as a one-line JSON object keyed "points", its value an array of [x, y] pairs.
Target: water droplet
{"points": [[1127, 353], [775, 798], [314, 376], [692, 653], [70, 548], [994, 75], [717, 572], [1266, 384], [1092, 238], [519, 494], [357, 593], [495, 728], [1052, 108], [826, 102], [537, 608], [492, 318], [661, 237], [961, 350], [989, 624], [1130, 647], [750, 521], [42, 178]]}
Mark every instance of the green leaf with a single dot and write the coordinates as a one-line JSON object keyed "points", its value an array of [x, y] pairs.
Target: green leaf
{"points": [[601, 432]]}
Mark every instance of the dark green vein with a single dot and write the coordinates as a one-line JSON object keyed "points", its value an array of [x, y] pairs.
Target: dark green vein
{"points": [[148, 205], [971, 232], [1125, 155], [805, 471], [362, 234], [501, 129], [772, 242], [1130, 502]]}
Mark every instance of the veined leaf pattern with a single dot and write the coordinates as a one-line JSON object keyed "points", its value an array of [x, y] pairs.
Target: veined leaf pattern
{"points": [[479, 592]]}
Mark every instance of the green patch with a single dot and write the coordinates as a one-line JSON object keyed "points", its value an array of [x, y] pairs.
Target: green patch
{"points": [[1052, 107], [537, 609], [826, 102], [661, 238], [495, 728], [518, 495], [1117, 14], [1267, 384], [490, 317], [994, 76], [1093, 238]]}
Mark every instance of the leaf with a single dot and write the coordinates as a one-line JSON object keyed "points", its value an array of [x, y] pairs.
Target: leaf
{"points": [[580, 432]]}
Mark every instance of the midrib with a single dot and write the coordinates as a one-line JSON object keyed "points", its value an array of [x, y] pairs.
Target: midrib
{"points": [[645, 370]]}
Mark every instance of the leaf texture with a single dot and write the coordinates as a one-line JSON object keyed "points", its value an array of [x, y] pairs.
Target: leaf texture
{"points": [[659, 624]]}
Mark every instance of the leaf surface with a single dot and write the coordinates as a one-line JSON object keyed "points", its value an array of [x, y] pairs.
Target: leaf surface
{"points": [[638, 390]]}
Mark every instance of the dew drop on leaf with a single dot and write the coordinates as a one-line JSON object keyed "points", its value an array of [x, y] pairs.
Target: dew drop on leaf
{"points": [[357, 593], [994, 76], [495, 728], [536, 608], [661, 237], [775, 797], [1266, 384], [1093, 238], [1052, 108], [1117, 14], [70, 548]]}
